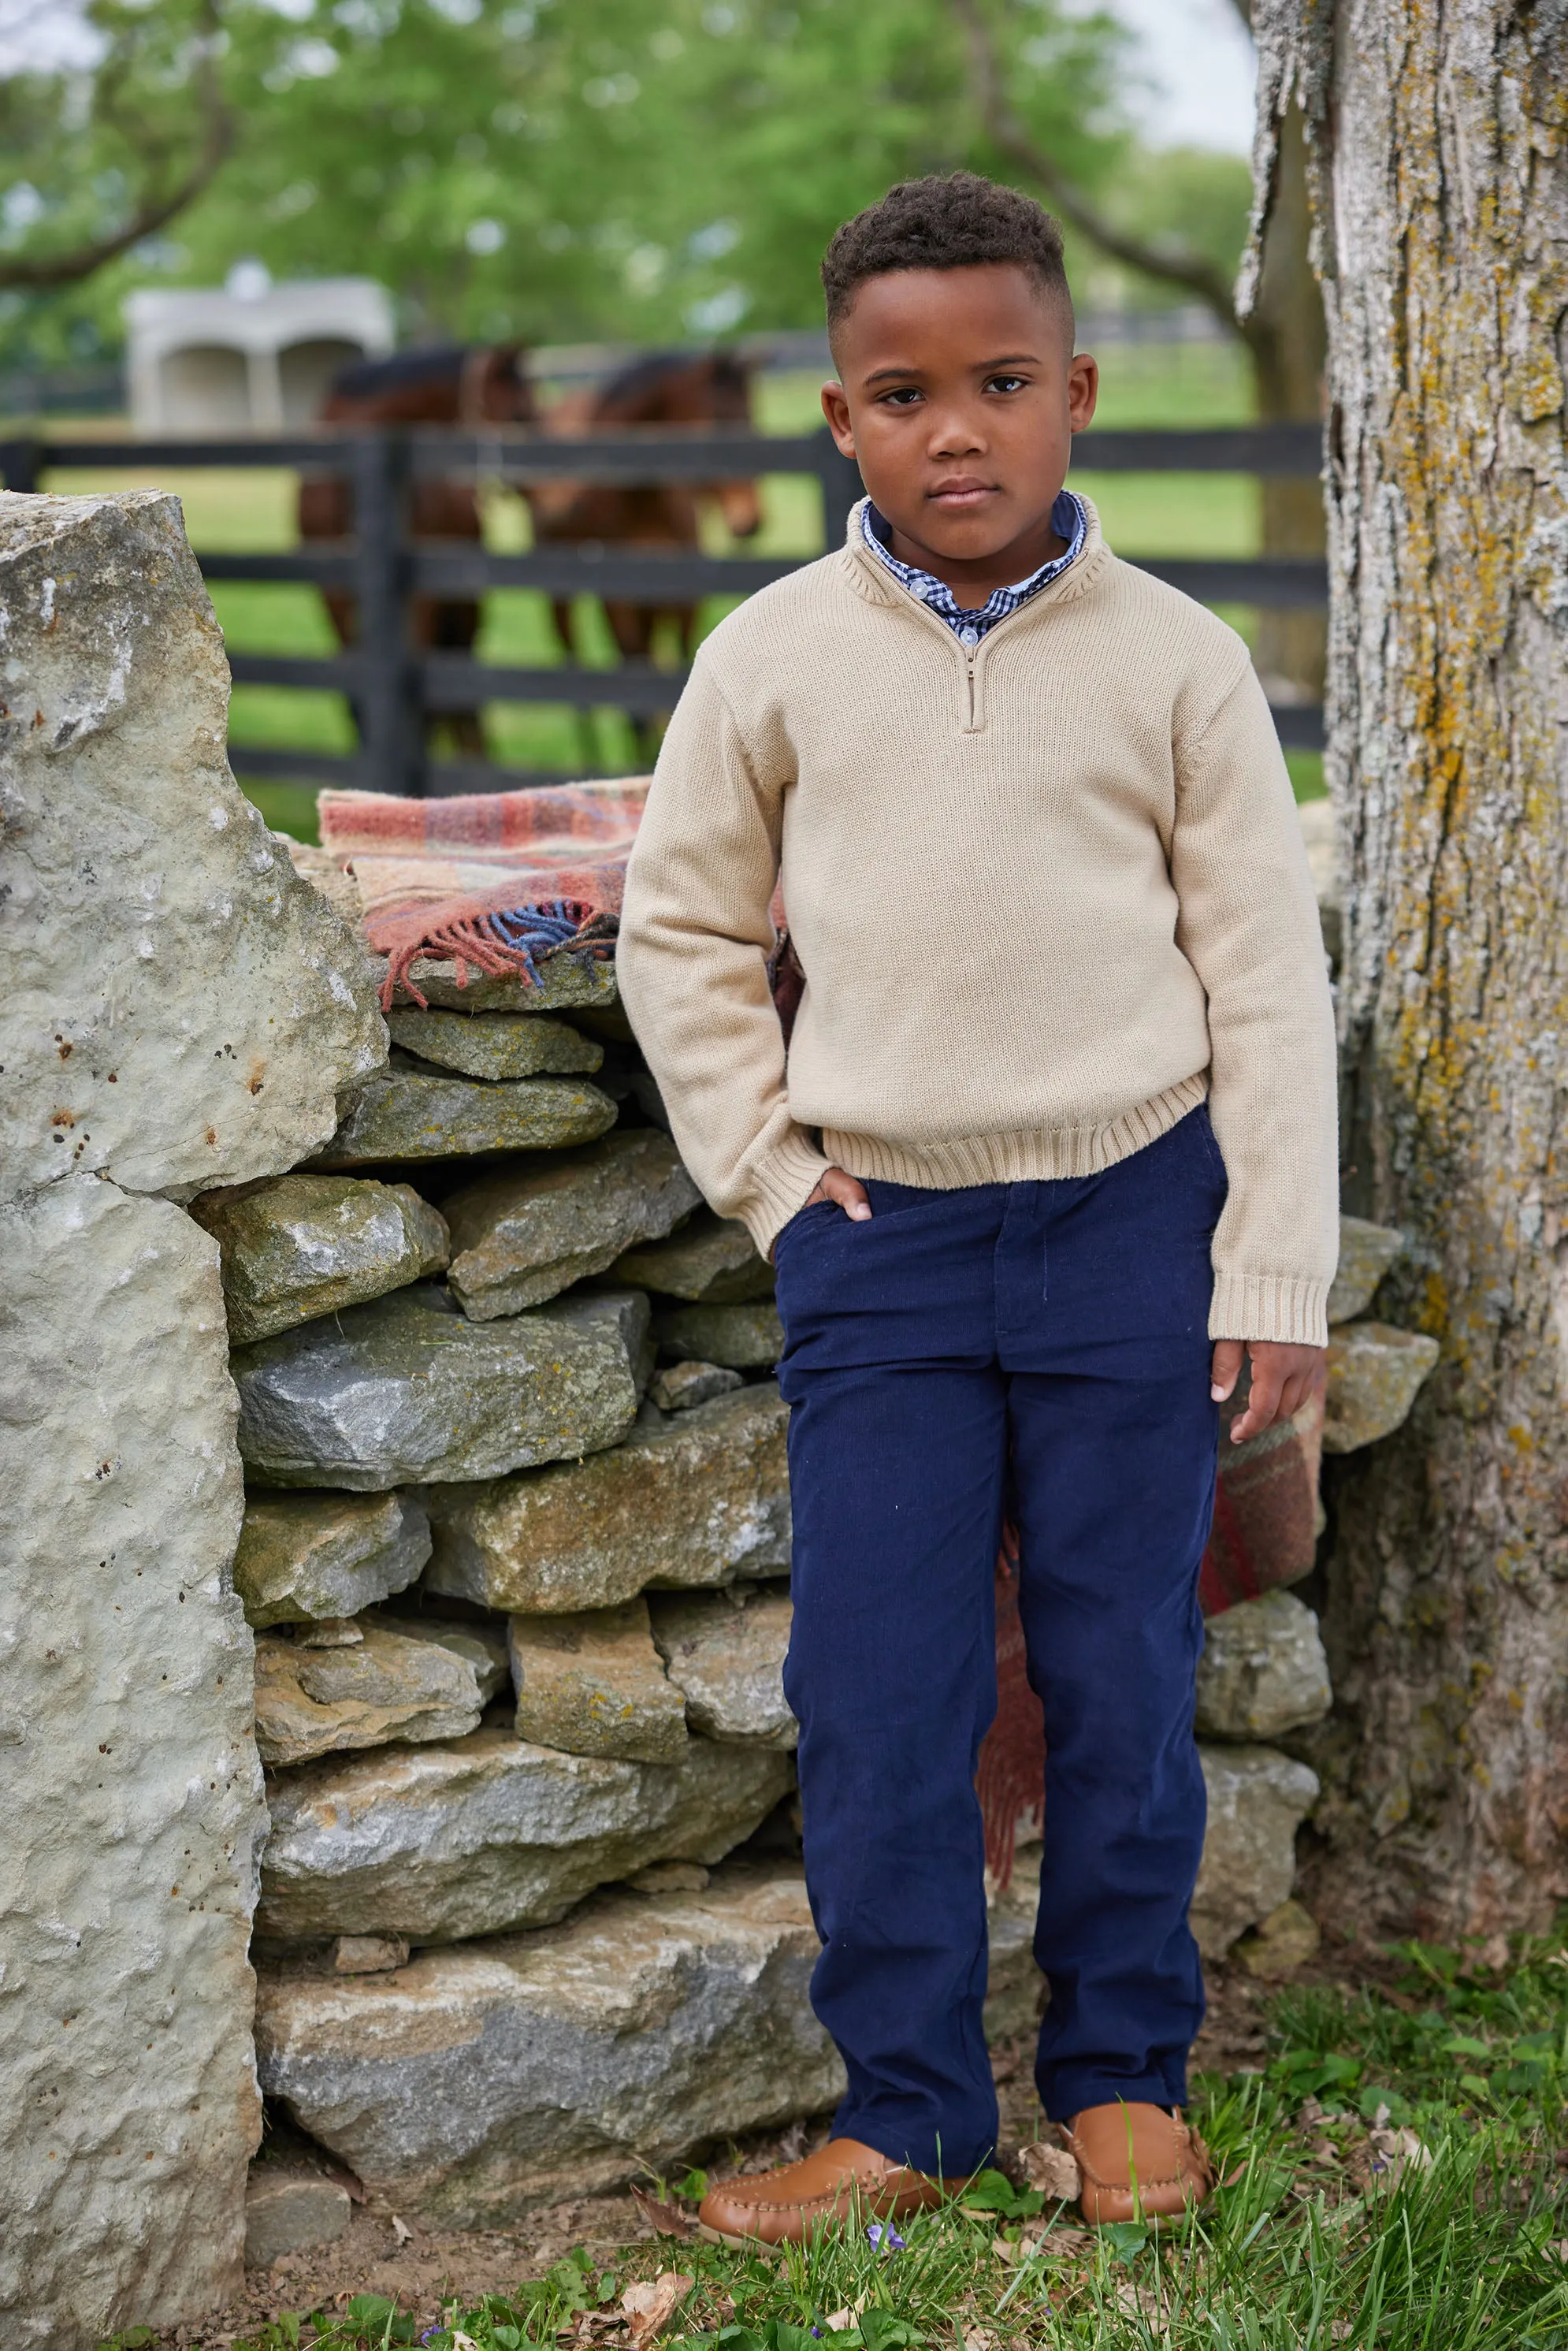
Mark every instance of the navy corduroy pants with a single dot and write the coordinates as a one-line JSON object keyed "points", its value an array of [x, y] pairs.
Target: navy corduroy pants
{"points": [[1040, 1347]]}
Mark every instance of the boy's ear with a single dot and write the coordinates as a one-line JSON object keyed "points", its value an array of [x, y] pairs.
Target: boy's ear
{"points": [[1083, 390], [836, 409]]}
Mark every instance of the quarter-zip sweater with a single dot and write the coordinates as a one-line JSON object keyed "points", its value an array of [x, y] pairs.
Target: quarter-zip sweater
{"points": [[1048, 891]]}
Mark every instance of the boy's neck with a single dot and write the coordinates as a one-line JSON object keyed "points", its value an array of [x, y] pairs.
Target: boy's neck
{"points": [[973, 579]]}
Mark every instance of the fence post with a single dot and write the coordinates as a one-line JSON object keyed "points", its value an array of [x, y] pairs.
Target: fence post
{"points": [[21, 463], [842, 485], [387, 706]]}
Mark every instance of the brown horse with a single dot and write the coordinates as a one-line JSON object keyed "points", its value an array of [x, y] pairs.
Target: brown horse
{"points": [[669, 388], [446, 386]]}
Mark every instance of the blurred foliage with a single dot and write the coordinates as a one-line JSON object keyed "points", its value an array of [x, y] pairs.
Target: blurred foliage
{"points": [[642, 170]]}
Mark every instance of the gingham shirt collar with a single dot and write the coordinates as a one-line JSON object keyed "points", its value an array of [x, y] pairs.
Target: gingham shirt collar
{"points": [[1068, 519]]}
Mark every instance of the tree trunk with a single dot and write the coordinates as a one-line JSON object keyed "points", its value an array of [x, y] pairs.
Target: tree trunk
{"points": [[1440, 196], [1285, 341]]}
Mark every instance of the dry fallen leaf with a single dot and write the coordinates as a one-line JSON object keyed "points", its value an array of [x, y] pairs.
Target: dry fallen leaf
{"points": [[666, 2219], [649, 2308], [836, 2320], [401, 2230], [975, 2339], [1052, 2170]]}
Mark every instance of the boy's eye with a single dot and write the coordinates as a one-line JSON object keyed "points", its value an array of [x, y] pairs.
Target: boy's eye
{"points": [[1005, 382], [905, 396]]}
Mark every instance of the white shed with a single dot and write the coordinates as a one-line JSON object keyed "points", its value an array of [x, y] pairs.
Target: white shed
{"points": [[251, 357]]}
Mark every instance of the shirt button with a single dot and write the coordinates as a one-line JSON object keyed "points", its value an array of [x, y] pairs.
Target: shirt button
{"points": [[969, 637]]}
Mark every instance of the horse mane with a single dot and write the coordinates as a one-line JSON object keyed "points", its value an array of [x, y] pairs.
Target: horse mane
{"points": [[644, 376], [433, 363]]}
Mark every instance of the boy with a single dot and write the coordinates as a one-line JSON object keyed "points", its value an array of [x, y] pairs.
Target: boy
{"points": [[1057, 1112]]}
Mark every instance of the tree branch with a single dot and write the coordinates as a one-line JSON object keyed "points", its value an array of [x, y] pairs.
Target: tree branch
{"points": [[155, 212], [1172, 266]]}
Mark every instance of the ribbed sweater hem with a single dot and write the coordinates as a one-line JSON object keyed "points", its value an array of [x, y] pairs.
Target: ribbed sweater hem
{"points": [[1289, 1307], [1029, 1156], [778, 1185]]}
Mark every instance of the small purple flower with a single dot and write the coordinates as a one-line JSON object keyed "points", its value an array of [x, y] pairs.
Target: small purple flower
{"points": [[885, 2238]]}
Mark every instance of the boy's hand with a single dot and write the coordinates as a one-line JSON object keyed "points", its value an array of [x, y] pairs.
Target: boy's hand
{"points": [[1282, 1378], [847, 1191]]}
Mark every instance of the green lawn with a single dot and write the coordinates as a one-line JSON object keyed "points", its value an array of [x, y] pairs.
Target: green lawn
{"points": [[1393, 2178], [253, 511]]}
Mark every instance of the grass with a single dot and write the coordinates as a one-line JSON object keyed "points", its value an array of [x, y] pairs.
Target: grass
{"points": [[253, 511], [1393, 2178]]}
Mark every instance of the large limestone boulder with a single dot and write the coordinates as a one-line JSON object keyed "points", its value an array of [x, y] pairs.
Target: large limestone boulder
{"points": [[1263, 1670], [521, 1236], [497, 1045], [1376, 1373], [407, 1388], [595, 1685], [180, 1009], [407, 1112], [128, 1774], [295, 1247], [693, 1501], [1258, 1799], [742, 1338], [1366, 1253], [726, 1650], [712, 1261], [305, 1557], [525, 2068], [377, 1687], [491, 1833]]}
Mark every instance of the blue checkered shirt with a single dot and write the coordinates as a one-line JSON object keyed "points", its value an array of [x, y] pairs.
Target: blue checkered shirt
{"points": [[1069, 521]]}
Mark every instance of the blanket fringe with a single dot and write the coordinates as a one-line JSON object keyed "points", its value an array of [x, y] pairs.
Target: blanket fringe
{"points": [[510, 942]]}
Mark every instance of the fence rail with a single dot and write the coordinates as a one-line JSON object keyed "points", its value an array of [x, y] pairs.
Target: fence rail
{"points": [[393, 687]]}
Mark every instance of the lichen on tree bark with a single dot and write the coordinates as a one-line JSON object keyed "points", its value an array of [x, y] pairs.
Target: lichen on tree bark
{"points": [[1438, 161]]}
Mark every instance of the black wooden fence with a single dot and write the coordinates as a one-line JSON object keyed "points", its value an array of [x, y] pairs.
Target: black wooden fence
{"points": [[393, 685]]}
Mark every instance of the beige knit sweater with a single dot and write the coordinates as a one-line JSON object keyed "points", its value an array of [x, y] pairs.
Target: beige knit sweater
{"points": [[1046, 896]]}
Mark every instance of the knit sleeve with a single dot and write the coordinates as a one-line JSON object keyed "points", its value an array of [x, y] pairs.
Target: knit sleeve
{"points": [[1249, 925], [695, 935]]}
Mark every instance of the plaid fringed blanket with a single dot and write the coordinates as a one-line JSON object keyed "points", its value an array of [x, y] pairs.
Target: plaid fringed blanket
{"points": [[496, 880]]}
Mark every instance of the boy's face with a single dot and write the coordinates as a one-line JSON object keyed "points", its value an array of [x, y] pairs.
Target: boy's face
{"points": [[959, 397]]}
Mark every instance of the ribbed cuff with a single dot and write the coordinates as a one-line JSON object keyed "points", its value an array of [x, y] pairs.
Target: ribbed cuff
{"points": [[780, 1185], [1288, 1307]]}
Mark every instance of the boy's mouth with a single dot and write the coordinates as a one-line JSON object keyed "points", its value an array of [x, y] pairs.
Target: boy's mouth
{"points": [[964, 492]]}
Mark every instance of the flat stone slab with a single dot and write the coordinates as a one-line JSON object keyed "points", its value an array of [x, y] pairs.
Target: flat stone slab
{"points": [[314, 1556], [712, 1261], [1258, 1799], [525, 2068], [743, 1338], [567, 982], [522, 1236], [312, 1701], [295, 1247], [497, 1045], [289, 2208], [491, 1833], [696, 1500], [404, 1112], [483, 1645], [726, 1650], [681, 1387], [1376, 1373], [1366, 1253], [1263, 1670], [594, 1684], [407, 1388]]}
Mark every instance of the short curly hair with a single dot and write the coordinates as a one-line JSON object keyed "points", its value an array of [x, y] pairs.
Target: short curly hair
{"points": [[956, 220]]}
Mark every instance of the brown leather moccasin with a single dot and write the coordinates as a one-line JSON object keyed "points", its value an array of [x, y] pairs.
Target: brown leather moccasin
{"points": [[841, 2182], [1137, 2163]]}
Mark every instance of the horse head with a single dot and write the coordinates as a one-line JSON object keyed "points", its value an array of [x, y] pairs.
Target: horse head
{"points": [[495, 389]]}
